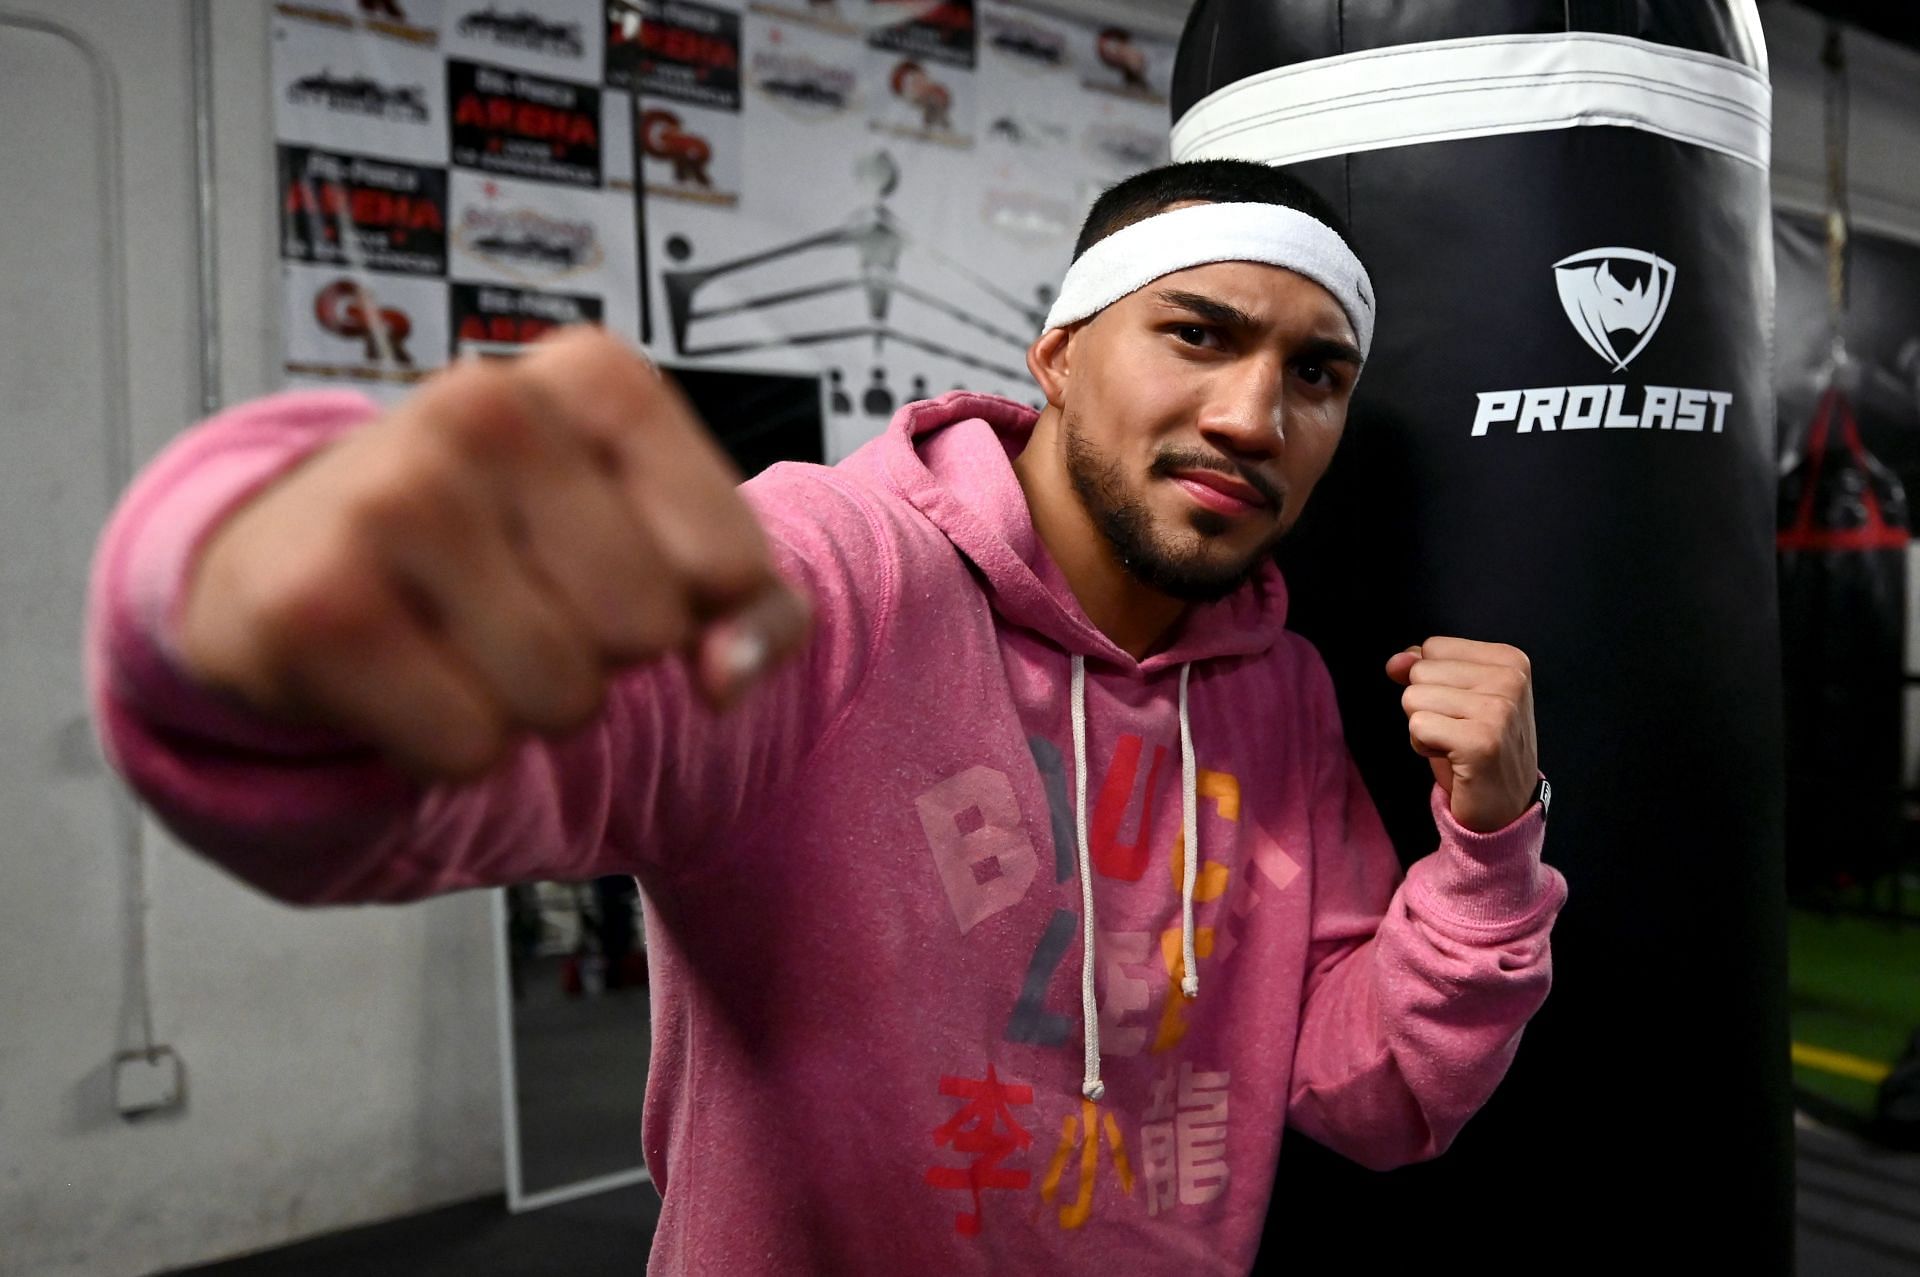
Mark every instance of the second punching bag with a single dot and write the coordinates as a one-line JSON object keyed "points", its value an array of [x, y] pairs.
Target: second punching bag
{"points": [[1564, 440]]}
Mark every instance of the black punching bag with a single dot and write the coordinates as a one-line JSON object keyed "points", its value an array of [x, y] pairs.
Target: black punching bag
{"points": [[1564, 440], [1843, 597]]}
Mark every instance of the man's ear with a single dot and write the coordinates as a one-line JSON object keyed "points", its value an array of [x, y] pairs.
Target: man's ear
{"points": [[1047, 361]]}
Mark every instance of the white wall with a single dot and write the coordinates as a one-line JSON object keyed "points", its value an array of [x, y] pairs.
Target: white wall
{"points": [[341, 1065]]}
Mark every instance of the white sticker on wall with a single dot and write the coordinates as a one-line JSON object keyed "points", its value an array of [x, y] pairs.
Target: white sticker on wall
{"points": [[562, 38], [548, 238], [414, 22], [616, 138], [334, 89]]}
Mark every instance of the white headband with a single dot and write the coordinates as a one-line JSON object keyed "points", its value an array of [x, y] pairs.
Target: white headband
{"points": [[1193, 236]]}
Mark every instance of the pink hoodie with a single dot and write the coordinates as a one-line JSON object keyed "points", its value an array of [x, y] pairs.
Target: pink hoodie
{"points": [[868, 889]]}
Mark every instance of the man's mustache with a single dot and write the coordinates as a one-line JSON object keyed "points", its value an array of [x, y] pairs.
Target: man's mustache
{"points": [[1174, 460]]}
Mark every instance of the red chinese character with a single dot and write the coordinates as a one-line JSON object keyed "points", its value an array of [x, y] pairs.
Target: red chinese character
{"points": [[975, 1130]]}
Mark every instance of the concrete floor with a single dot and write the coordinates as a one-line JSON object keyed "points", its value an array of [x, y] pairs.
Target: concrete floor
{"points": [[1858, 1207], [603, 1236], [1859, 1211]]}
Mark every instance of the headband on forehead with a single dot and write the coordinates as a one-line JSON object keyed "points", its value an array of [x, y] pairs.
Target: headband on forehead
{"points": [[1137, 255]]}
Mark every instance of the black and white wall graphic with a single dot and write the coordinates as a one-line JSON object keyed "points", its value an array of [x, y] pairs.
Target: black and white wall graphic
{"points": [[881, 194]]}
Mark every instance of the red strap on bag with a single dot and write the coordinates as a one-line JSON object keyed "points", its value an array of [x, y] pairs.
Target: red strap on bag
{"points": [[1876, 533]]}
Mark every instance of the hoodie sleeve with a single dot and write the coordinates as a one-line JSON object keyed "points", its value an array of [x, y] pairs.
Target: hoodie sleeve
{"points": [[652, 787], [1416, 990]]}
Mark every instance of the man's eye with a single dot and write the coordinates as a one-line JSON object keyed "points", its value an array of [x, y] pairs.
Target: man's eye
{"points": [[1316, 375], [1193, 334]]}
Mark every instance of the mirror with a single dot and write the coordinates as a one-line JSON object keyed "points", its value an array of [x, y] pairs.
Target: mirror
{"points": [[574, 1037]]}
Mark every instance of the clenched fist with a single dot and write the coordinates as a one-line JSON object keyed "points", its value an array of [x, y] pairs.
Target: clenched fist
{"points": [[474, 565], [1470, 714]]}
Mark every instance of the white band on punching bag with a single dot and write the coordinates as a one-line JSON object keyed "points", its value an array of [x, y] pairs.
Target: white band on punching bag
{"points": [[1484, 86], [1135, 256]]}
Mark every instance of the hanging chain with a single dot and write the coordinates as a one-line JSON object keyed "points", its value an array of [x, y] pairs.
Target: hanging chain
{"points": [[1834, 59]]}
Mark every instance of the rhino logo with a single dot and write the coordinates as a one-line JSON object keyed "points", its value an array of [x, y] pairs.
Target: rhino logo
{"points": [[1599, 305]]}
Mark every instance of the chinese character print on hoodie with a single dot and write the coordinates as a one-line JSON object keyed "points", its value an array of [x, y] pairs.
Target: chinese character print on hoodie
{"points": [[876, 1011]]}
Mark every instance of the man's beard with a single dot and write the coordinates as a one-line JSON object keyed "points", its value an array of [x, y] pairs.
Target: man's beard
{"points": [[1154, 560]]}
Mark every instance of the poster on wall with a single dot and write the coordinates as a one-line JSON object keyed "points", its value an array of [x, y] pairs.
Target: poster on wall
{"points": [[1118, 62], [941, 32], [920, 100], [380, 333], [880, 194], [415, 22], [560, 38], [679, 49], [454, 178], [510, 232], [523, 125], [682, 60], [688, 152], [329, 93], [353, 210], [809, 75], [488, 319], [547, 238]]}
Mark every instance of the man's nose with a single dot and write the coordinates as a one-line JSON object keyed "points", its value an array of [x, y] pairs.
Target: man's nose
{"points": [[1246, 411]]}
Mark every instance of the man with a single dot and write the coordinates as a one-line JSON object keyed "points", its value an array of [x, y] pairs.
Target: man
{"points": [[1000, 920]]}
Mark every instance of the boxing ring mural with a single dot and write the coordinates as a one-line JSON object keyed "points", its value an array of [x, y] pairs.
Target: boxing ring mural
{"points": [[867, 249], [907, 200]]}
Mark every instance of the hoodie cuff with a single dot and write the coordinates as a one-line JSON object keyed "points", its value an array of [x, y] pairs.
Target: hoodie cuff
{"points": [[154, 541], [1487, 880]]}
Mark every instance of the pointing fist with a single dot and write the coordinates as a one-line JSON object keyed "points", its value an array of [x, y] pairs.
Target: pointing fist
{"points": [[1470, 715], [476, 564]]}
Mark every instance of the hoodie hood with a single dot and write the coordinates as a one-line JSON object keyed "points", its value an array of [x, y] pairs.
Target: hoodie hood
{"points": [[951, 458]]}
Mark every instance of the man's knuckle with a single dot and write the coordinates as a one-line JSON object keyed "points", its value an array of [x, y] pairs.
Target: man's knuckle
{"points": [[508, 435], [590, 341], [476, 747], [317, 602], [571, 685], [574, 700], [661, 626], [422, 495], [733, 565], [389, 496], [589, 698]]}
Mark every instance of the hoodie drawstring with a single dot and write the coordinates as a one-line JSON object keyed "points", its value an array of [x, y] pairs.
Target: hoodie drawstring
{"points": [[1090, 1085], [1190, 818]]}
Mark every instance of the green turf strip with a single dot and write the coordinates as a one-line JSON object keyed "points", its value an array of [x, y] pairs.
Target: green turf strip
{"points": [[1854, 986]]}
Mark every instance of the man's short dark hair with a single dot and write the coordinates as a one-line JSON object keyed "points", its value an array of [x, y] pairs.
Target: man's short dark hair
{"points": [[1218, 181]]}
